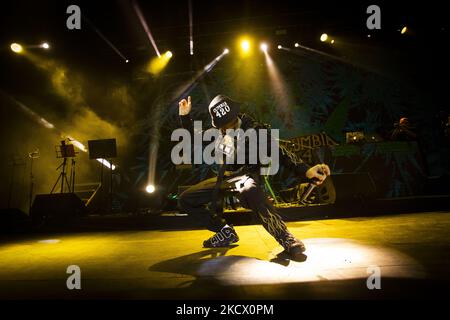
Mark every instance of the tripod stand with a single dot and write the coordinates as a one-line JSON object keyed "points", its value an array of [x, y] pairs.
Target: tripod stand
{"points": [[62, 178], [65, 151], [32, 156]]}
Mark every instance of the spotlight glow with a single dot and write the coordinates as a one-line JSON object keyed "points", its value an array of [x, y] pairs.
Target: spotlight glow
{"points": [[279, 46], [150, 188], [404, 30], [245, 46], [126, 61], [45, 45], [297, 45], [106, 163], [264, 47], [226, 51], [323, 37], [17, 48], [332, 41], [157, 64], [324, 257]]}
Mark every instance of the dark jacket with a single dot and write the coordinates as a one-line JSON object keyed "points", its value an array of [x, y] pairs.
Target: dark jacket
{"points": [[289, 161]]}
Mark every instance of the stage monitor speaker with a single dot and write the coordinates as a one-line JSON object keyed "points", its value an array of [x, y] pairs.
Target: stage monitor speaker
{"points": [[57, 207], [353, 187]]}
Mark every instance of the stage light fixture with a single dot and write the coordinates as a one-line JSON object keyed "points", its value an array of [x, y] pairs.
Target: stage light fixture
{"points": [[226, 51], [297, 45], [45, 45], [264, 47], [279, 46], [150, 188], [354, 137], [332, 41], [17, 48], [126, 61], [245, 46], [404, 29], [323, 37], [157, 64]]}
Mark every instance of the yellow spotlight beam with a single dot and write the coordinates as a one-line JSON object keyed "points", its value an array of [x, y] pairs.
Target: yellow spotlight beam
{"points": [[181, 91], [279, 87], [46, 124], [157, 64]]}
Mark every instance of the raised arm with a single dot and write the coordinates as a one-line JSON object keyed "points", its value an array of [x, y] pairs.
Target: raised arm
{"points": [[184, 111]]}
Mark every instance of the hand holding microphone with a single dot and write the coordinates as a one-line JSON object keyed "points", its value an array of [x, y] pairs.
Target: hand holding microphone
{"points": [[318, 173], [317, 176]]}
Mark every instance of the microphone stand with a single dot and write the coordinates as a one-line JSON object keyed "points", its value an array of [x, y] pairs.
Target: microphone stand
{"points": [[32, 155]]}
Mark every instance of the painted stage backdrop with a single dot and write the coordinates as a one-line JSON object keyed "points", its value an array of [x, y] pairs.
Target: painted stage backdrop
{"points": [[314, 101]]}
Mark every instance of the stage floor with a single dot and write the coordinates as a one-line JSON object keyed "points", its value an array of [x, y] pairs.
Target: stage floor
{"points": [[410, 250]]}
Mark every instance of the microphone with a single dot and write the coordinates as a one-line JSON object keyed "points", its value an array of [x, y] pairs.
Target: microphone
{"points": [[307, 192], [309, 189]]}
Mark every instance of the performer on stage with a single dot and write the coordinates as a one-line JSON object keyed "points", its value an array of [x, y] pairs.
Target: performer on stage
{"points": [[243, 178]]}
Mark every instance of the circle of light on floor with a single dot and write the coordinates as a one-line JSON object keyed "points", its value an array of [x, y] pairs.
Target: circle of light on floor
{"points": [[326, 259]]}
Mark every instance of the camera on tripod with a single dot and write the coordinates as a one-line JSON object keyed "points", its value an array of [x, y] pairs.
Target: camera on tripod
{"points": [[65, 151]]}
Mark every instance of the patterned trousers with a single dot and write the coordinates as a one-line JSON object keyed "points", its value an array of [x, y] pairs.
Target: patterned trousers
{"points": [[198, 198]]}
